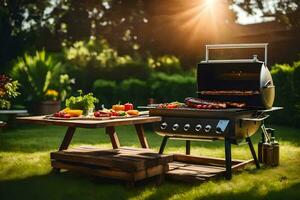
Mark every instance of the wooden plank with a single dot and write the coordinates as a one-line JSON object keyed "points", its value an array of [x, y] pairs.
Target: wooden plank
{"points": [[113, 137], [90, 123], [108, 173], [141, 135], [198, 169], [149, 172], [242, 165], [120, 163], [202, 160], [67, 138], [126, 159]]}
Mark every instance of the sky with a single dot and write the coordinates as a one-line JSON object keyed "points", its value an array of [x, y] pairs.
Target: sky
{"points": [[245, 18]]}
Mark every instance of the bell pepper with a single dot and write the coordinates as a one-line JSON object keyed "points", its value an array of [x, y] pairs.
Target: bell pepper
{"points": [[128, 106]]}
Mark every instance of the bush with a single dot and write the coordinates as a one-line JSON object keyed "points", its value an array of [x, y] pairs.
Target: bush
{"points": [[287, 81], [167, 64], [95, 59], [37, 74], [134, 90], [105, 91], [166, 88]]}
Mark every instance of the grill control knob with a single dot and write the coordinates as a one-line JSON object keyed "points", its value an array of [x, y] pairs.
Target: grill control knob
{"points": [[218, 130], [198, 127], [163, 126], [186, 127], [207, 128], [175, 127]]}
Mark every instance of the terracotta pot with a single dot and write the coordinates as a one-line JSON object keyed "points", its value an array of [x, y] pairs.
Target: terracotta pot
{"points": [[47, 107]]}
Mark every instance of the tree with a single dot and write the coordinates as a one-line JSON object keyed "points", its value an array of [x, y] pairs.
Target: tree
{"points": [[286, 11]]}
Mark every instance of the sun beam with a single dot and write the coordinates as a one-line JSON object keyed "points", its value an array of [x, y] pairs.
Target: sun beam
{"points": [[202, 17]]}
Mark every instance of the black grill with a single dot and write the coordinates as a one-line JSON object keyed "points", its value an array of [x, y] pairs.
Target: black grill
{"points": [[243, 81]]}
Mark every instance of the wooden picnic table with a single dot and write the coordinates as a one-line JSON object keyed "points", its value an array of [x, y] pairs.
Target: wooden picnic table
{"points": [[109, 126], [122, 163]]}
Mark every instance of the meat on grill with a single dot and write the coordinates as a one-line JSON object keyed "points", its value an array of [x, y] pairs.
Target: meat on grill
{"points": [[194, 102], [201, 103], [229, 92]]}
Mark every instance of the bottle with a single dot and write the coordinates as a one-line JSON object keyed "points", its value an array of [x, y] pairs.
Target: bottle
{"points": [[267, 153], [275, 146], [260, 148]]}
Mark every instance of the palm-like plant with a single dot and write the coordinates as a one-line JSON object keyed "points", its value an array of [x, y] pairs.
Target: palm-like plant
{"points": [[36, 74]]}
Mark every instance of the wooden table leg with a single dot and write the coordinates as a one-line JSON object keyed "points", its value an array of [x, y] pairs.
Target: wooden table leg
{"points": [[65, 143], [141, 134], [67, 139], [113, 137]]}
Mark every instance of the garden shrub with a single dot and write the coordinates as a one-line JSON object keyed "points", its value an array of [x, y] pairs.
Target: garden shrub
{"points": [[134, 90], [95, 59], [37, 74], [105, 91], [167, 64], [176, 87], [287, 82]]}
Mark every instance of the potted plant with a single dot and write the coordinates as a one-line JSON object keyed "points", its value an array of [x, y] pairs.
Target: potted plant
{"points": [[8, 91], [82, 102], [44, 85]]}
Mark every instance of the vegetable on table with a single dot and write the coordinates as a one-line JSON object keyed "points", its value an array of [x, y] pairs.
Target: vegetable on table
{"points": [[118, 107], [82, 102], [128, 106]]}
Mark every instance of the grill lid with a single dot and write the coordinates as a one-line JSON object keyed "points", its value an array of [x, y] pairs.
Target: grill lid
{"points": [[246, 80]]}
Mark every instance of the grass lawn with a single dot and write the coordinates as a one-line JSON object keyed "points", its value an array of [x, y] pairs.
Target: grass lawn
{"points": [[25, 169]]}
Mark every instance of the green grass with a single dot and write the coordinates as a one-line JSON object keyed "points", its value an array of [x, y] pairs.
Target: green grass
{"points": [[25, 169]]}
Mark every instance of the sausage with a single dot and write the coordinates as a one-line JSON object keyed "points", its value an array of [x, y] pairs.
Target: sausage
{"points": [[192, 102]]}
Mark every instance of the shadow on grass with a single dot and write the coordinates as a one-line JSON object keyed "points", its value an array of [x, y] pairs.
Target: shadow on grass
{"points": [[68, 185], [291, 192]]}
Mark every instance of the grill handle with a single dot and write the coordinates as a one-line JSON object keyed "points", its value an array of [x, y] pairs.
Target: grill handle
{"points": [[237, 46], [258, 119]]}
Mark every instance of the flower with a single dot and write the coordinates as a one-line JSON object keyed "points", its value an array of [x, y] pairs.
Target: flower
{"points": [[51, 95]]}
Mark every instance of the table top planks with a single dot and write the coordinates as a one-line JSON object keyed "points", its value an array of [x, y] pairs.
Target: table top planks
{"points": [[89, 123]]}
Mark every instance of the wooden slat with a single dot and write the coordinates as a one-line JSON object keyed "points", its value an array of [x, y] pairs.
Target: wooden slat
{"points": [[90, 123], [242, 165], [120, 163], [202, 160], [128, 159], [110, 173], [198, 169], [122, 175]]}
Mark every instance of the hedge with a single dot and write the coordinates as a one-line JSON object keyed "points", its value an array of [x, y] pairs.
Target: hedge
{"points": [[287, 82], [162, 87]]}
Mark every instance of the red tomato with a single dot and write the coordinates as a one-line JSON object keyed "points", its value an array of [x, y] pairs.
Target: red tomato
{"points": [[97, 114], [199, 106], [114, 113], [128, 106], [56, 114], [67, 116], [204, 106], [170, 106]]}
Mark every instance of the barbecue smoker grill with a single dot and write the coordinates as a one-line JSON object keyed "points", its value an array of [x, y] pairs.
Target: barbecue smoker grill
{"points": [[246, 80]]}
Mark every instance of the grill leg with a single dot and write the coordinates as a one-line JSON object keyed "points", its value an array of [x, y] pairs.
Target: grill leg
{"points": [[187, 147], [228, 158], [163, 145], [248, 140]]}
